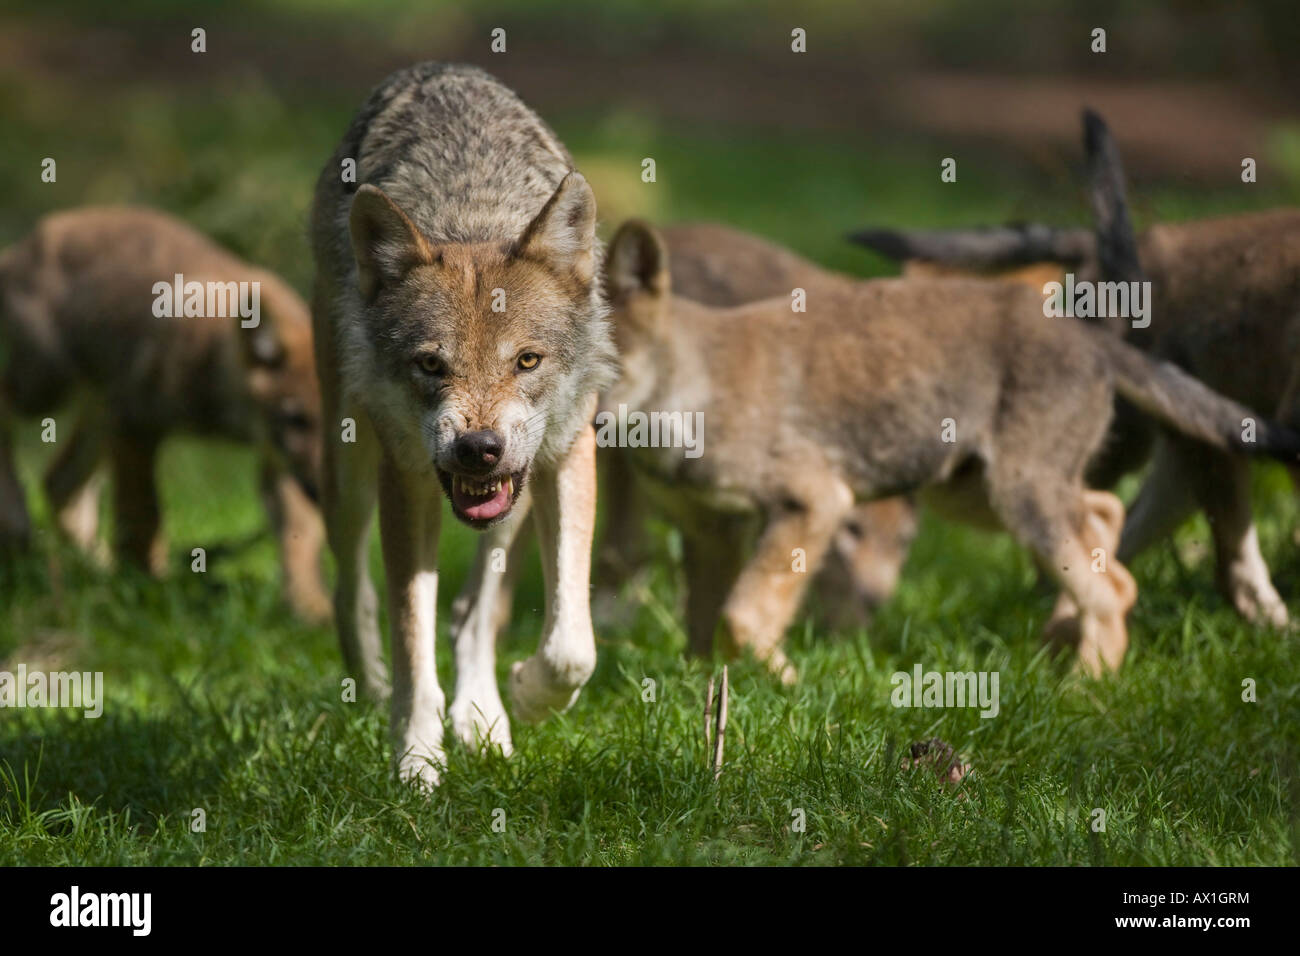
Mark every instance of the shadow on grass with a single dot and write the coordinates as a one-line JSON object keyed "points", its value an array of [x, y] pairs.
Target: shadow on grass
{"points": [[146, 768]]}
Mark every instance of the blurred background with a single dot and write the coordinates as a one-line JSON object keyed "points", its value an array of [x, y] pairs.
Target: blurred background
{"points": [[217, 694], [798, 147]]}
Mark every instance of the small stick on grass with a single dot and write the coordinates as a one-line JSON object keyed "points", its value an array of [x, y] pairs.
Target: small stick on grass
{"points": [[722, 726], [708, 719]]}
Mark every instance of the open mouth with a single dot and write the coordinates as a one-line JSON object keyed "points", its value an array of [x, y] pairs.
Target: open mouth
{"points": [[480, 501]]}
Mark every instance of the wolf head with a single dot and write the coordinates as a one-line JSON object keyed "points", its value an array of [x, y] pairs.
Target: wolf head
{"points": [[863, 567], [280, 376], [480, 357]]}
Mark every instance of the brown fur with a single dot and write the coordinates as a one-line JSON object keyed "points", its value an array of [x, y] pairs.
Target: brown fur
{"points": [[717, 265], [1225, 307], [806, 412], [1035, 275], [720, 266], [77, 326]]}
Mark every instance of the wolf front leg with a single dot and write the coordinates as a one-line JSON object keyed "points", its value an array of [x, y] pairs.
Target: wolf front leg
{"points": [[135, 499], [767, 594], [300, 535], [73, 483], [348, 502], [477, 714], [410, 516], [564, 507]]}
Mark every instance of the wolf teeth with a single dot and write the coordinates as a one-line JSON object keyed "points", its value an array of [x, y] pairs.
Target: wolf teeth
{"points": [[482, 488]]}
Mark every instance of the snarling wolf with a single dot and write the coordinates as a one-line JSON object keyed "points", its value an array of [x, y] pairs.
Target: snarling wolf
{"points": [[84, 322], [959, 388], [461, 339], [1225, 307]]}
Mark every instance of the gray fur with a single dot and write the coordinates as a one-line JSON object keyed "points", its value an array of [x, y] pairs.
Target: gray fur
{"points": [[456, 150], [467, 162], [456, 297]]}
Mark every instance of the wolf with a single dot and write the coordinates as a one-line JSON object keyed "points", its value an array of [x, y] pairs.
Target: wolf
{"points": [[461, 338], [81, 326], [720, 266], [959, 389], [1226, 308], [716, 265]]}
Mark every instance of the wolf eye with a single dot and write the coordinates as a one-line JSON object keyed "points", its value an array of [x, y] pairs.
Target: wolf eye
{"points": [[528, 361], [430, 364]]}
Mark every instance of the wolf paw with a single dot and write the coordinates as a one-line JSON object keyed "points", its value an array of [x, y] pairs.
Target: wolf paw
{"points": [[374, 688], [1258, 602], [480, 720], [784, 671], [417, 746], [421, 770], [313, 607], [535, 691]]}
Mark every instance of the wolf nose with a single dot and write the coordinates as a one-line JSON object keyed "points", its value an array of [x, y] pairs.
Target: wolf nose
{"points": [[478, 451]]}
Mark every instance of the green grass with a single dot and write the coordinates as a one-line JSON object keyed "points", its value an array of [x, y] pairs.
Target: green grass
{"points": [[217, 699]]}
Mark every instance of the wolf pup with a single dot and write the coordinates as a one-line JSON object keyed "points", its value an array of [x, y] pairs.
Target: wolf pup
{"points": [[461, 340], [958, 387], [720, 266], [140, 321], [1225, 307]]}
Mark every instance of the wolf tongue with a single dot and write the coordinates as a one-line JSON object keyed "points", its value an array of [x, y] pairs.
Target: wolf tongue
{"points": [[481, 507]]}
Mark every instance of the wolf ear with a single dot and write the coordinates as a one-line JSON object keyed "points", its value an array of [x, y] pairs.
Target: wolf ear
{"points": [[563, 234], [637, 262], [385, 242]]}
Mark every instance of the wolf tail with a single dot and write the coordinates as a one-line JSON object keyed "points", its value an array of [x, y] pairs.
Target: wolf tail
{"points": [[982, 247], [1116, 246], [1018, 244], [1185, 404], [1160, 389]]}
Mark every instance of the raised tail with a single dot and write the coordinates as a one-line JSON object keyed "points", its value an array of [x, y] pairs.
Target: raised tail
{"points": [[1117, 255], [1161, 389], [1173, 397]]}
